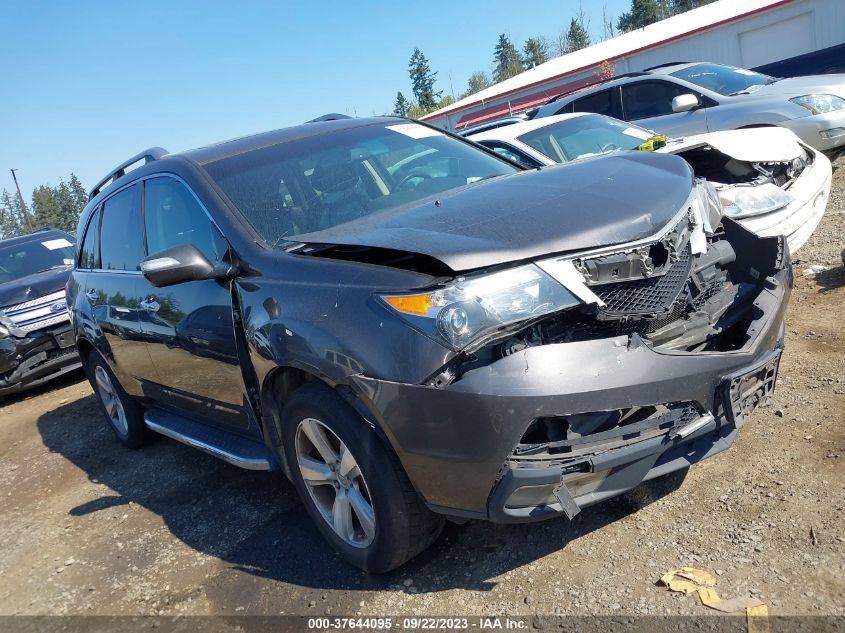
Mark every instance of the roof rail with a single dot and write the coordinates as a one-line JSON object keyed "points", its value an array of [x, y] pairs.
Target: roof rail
{"points": [[645, 70], [148, 156], [332, 116]]}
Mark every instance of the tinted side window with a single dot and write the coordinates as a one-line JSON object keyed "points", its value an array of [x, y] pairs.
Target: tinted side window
{"points": [[89, 252], [121, 245], [649, 98], [174, 216], [600, 103]]}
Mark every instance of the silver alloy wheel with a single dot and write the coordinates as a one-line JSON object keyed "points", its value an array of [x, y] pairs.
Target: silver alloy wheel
{"points": [[335, 483], [111, 400]]}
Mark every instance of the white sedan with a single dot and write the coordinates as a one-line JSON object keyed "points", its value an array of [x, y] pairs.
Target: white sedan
{"points": [[766, 177]]}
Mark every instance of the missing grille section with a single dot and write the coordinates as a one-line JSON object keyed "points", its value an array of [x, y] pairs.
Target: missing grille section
{"points": [[650, 296], [573, 436]]}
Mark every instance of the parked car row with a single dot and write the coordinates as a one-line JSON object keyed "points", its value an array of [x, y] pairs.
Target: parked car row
{"points": [[413, 326], [766, 177]]}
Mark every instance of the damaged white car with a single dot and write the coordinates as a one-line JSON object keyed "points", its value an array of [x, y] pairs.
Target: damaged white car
{"points": [[766, 177]]}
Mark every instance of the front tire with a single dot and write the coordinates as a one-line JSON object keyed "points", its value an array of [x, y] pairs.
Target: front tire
{"points": [[125, 416], [353, 486]]}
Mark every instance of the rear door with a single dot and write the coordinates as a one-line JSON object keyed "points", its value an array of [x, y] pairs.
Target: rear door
{"points": [[189, 327], [649, 103], [111, 285]]}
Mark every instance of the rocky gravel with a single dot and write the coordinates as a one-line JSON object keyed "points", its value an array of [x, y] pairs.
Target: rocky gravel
{"points": [[92, 528]]}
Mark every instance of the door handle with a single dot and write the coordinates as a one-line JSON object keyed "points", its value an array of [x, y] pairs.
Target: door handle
{"points": [[92, 295]]}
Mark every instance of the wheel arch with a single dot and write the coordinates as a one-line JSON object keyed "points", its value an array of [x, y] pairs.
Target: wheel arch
{"points": [[281, 382]]}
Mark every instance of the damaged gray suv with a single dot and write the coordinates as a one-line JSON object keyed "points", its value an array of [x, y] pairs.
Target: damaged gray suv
{"points": [[412, 328]]}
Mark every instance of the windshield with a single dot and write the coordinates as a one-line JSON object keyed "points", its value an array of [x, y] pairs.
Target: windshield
{"points": [[585, 136], [726, 80], [22, 260], [321, 181]]}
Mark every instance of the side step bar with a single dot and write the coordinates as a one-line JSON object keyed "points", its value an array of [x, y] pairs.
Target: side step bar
{"points": [[234, 449]]}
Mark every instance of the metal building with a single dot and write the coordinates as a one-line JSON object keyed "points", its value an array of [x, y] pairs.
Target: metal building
{"points": [[744, 33]]}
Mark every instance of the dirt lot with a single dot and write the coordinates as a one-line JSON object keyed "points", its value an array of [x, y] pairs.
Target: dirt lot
{"points": [[92, 528]]}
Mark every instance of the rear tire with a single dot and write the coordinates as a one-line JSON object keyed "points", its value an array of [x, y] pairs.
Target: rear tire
{"points": [[357, 493], [124, 415]]}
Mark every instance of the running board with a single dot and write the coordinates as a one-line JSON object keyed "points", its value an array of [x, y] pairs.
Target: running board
{"points": [[234, 449]]}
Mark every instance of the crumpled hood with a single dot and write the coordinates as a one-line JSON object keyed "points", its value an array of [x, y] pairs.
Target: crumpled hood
{"points": [[764, 144], [32, 287], [586, 204]]}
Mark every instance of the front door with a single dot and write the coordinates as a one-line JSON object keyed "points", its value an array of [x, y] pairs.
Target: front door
{"points": [[649, 104], [189, 328]]}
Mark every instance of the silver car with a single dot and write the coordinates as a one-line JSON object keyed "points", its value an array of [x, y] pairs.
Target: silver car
{"points": [[693, 98]]}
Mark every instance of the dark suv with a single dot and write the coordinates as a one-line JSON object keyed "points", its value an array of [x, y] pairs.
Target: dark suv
{"points": [[413, 328], [36, 342]]}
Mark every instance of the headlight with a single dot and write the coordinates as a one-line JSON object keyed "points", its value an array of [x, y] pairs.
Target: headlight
{"points": [[471, 307], [819, 104], [743, 202], [4, 331]]}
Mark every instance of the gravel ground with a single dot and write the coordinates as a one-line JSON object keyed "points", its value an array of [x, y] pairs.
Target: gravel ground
{"points": [[92, 528]]}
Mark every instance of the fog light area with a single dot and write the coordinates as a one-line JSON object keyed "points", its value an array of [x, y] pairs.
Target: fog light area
{"points": [[578, 484]]}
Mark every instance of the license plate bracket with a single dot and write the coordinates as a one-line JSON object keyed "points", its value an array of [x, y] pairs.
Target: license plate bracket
{"points": [[751, 388]]}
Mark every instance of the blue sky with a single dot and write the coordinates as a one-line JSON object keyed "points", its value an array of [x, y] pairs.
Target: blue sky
{"points": [[86, 85]]}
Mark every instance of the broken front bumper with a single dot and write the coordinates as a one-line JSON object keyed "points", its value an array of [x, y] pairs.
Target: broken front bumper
{"points": [[34, 359], [456, 443]]}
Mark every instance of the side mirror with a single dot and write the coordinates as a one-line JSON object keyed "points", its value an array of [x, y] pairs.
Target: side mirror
{"points": [[180, 263], [685, 103]]}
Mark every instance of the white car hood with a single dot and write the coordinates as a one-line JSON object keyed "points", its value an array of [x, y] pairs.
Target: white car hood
{"points": [[765, 144]]}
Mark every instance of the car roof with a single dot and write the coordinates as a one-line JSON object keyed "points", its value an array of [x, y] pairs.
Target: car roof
{"points": [[515, 130], [38, 236], [223, 149]]}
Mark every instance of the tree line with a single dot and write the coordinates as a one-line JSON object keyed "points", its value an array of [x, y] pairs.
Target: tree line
{"points": [[57, 207], [509, 61]]}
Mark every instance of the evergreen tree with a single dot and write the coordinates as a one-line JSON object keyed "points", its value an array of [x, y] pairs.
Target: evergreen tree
{"points": [[422, 80], [577, 36], [535, 52], [478, 81], [45, 208], [400, 108], [642, 13], [12, 218], [506, 58], [682, 6]]}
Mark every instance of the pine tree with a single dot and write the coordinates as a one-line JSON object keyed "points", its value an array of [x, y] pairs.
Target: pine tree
{"points": [[422, 80], [477, 82], [400, 108], [12, 218], [577, 36], [642, 13], [535, 52], [506, 58]]}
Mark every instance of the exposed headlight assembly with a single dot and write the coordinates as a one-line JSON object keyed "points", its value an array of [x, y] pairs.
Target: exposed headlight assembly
{"points": [[743, 202], [819, 104], [470, 308]]}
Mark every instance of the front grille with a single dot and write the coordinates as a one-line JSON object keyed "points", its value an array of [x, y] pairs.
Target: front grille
{"points": [[38, 313], [641, 297]]}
